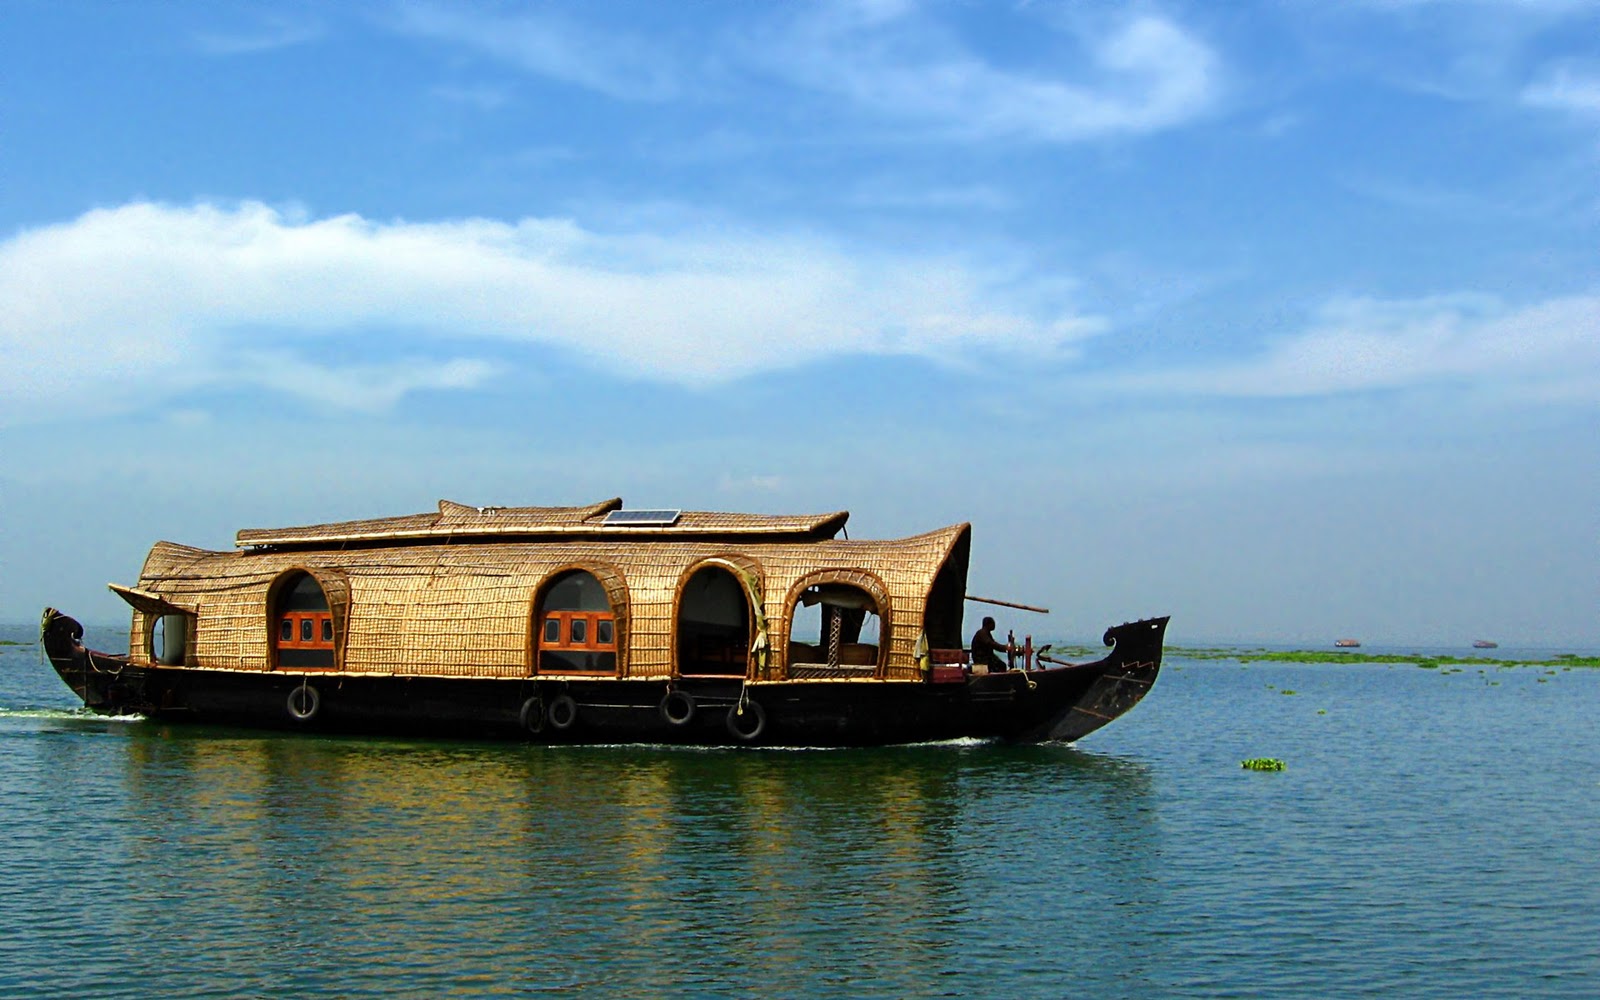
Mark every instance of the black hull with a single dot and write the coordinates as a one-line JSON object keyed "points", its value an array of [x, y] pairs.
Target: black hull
{"points": [[1059, 704]]}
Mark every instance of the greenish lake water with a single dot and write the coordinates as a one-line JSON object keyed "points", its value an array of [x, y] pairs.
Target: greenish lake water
{"points": [[1435, 833]]}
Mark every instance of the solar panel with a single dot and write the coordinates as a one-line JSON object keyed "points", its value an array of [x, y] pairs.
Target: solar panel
{"points": [[641, 518]]}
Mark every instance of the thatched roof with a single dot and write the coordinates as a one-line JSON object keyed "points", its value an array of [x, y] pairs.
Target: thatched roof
{"points": [[456, 521], [454, 593]]}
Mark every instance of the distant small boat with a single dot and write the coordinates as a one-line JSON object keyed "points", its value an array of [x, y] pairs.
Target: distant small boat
{"points": [[1485, 644], [1347, 643]]}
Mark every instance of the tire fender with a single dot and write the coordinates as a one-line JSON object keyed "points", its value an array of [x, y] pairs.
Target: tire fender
{"points": [[532, 715], [678, 708], [747, 721], [561, 713], [303, 703]]}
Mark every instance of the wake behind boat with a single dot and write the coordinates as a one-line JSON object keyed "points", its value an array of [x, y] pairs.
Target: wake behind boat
{"points": [[588, 624]]}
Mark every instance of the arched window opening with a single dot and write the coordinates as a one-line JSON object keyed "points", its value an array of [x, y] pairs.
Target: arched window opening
{"points": [[169, 639], [714, 622], [302, 636], [577, 631], [834, 631]]}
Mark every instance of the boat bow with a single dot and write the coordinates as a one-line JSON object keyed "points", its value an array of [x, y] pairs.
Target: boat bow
{"points": [[1118, 682]]}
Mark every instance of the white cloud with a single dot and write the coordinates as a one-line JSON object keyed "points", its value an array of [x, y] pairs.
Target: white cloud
{"points": [[1144, 75], [372, 388], [541, 41], [1549, 350], [272, 31], [130, 302], [1566, 88], [890, 58]]}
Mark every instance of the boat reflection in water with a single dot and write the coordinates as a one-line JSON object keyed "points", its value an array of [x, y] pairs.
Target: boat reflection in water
{"points": [[619, 866]]}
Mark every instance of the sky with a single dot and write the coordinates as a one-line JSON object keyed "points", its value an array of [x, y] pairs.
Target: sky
{"points": [[1281, 317]]}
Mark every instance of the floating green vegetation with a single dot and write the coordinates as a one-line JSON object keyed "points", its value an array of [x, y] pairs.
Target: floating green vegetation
{"points": [[13, 642], [1069, 651], [1322, 711], [1288, 691], [1262, 764], [1427, 662]]}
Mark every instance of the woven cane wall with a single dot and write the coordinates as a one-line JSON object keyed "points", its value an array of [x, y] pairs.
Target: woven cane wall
{"points": [[466, 609]]}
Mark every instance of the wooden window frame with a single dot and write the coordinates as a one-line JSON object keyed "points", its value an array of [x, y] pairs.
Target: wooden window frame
{"points": [[321, 623], [592, 621]]}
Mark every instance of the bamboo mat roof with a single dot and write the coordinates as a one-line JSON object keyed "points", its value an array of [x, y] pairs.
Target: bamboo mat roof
{"points": [[404, 602], [462, 521]]}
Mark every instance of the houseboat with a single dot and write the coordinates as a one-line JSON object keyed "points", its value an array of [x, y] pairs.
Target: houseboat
{"points": [[589, 624]]}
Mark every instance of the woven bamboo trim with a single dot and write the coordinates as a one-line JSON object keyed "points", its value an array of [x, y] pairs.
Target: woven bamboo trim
{"points": [[466, 609], [451, 512], [823, 671], [452, 518], [791, 682], [456, 520]]}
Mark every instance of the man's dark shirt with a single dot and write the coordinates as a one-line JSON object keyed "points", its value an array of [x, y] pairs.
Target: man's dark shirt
{"points": [[985, 649]]}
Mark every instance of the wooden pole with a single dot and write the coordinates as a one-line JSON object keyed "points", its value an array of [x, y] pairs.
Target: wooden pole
{"points": [[1008, 604]]}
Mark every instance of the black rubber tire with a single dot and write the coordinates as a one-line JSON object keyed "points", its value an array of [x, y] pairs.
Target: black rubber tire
{"points": [[561, 713], [532, 715], [749, 724], [677, 708], [304, 703]]}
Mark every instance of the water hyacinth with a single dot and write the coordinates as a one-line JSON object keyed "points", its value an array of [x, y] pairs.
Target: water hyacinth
{"points": [[1262, 764]]}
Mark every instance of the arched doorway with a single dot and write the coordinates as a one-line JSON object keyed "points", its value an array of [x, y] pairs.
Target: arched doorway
{"points": [[577, 629], [835, 630], [713, 625], [302, 624]]}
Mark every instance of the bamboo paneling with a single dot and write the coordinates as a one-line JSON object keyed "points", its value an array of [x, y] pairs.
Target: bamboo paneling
{"points": [[463, 607]]}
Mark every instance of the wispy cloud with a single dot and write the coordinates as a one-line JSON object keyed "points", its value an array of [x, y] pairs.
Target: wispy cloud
{"points": [[1144, 74], [364, 387], [1566, 87], [547, 43], [147, 298], [891, 60], [1548, 350], [269, 32]]}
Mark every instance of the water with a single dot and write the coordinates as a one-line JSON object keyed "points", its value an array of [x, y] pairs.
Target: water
{"points": [[1434, 835]]}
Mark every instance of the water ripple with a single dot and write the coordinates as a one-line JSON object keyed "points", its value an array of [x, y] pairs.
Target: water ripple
{"points": [[1430, 837]]}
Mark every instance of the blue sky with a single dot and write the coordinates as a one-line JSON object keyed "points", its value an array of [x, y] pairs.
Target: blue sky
{"points": [[1279, 317]]}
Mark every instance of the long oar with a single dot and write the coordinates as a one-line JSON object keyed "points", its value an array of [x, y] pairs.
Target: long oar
{"points": [[1009, 604]]}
